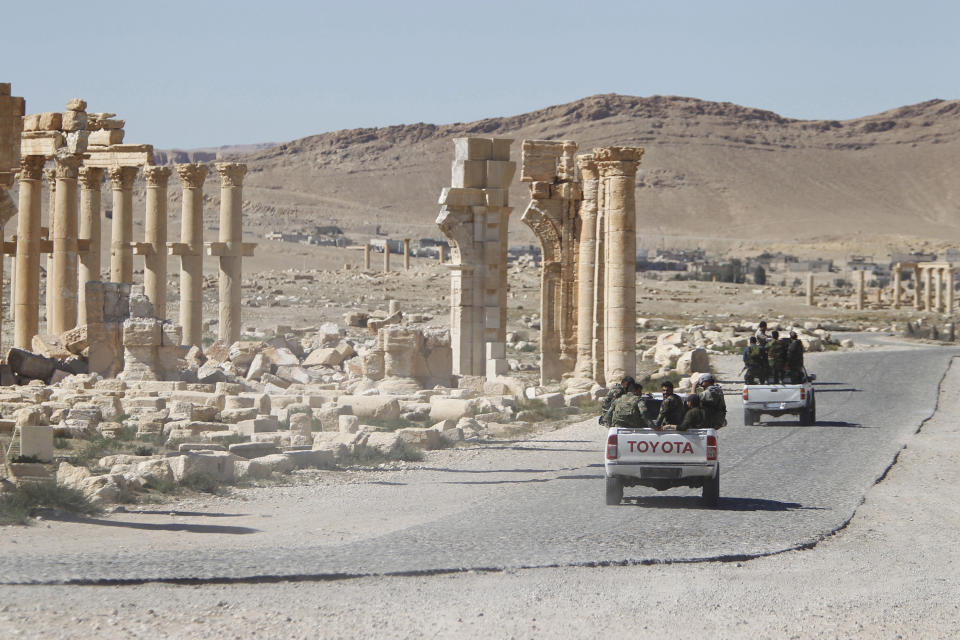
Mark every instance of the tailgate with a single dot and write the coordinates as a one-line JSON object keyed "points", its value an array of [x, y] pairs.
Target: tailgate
{"points": [[642, 447], [773, 394]]}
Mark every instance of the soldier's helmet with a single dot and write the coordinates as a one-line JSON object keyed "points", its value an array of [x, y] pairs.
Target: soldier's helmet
{"points": [[708, 377]]}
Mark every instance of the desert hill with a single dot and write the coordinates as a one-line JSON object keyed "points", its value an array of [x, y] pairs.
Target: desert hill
{"points": [[714, 174]]}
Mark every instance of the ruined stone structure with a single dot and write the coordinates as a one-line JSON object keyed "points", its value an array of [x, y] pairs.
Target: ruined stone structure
{"points": [[932, 285], [552, 214], [587, 231], [474, 215], [11, 128], [84, 149]]}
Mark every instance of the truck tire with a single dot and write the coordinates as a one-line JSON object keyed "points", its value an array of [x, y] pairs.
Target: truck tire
{"points": [[813, 411], [614, 490], [711, 490], [749, 417], [804, 417]]}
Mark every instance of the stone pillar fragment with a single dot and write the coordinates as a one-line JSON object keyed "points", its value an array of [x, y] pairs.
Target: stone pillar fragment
{"points": [[91, 180], [938, 289], [917, 304], [928, 289], [552, 215], [231, 251], [366, 256], [47, 231], [861, 291], [386, 256], [121, 249], [949, 285], [618, 172], [474, 218], [896, 287], [406, 254], [155, 237], [65, 234], [190, 250], [27, 316], [810, 289]]}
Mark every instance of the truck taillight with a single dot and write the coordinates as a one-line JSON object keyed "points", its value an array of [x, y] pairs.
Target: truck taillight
{"points": [[746, 393], [803, 393], [612, 447], [711, 448]]}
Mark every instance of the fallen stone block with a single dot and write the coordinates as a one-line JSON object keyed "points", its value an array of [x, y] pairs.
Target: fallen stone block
{"points": [[451, 408], [276, 463], [421, 438], [217, 465], [252, 450], [312, 458], [260, 424], [377, 407]]}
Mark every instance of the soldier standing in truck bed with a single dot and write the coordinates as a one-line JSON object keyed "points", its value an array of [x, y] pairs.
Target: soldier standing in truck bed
{"points": [[777, 357], [629, 410], [755, 361], [671, 409], [795, 359]]}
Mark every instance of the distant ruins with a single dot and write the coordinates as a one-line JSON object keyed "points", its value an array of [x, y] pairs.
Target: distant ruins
{"points": [[586, 226], [85, 148]]}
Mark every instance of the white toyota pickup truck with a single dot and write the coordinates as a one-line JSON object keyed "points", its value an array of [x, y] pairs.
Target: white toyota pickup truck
{"points": [[780, 400], [662, 460]]}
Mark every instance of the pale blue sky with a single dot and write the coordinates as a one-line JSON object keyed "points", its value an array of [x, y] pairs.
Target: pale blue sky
{"points": [[202, 73]]}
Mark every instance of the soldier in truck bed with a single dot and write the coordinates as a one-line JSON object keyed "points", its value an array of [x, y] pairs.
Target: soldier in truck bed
{"points": [[629, 410], [777, 357], [693, 418], [617, 390], [671, 409], [755, 362]]}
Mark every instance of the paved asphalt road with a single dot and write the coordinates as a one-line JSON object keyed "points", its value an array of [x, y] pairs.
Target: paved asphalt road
{"points": [[540, 503]]}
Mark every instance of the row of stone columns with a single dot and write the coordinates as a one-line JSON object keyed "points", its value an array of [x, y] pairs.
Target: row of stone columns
{"points": [[75, 248]]}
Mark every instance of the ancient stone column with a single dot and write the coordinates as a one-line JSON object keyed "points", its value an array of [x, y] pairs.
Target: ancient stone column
{"points": [[599, 280], [27, 316], [949, 307], [51, 174], [386, 256], [155, 235], [916, 288], [937, 289], [618, 172], [861, 293], [441, 254], [231, 258], [406, 254], [586, 295], [810, 292], [64, 223], [91, 180], [121, 249], [366, 256], [190, 250], [928, 289], [896, 287]]}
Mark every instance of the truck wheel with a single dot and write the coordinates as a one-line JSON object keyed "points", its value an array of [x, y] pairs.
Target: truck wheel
{"points": [[813, 412], [749, 418], [711, 490], [614, 490]]}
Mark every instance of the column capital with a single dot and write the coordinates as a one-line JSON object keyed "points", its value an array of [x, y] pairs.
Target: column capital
{"points": [[231, 173], [51, 173], [31, 167], [91, 177], [618, 161], [192, 175], [588, 166], [157, 176], [68, 165], [122, 177]]}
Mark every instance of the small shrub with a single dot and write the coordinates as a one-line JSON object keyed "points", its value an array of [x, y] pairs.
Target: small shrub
{"points": [[61, 443], [143, 450], [162, 485], [19, 504], [22, 458], [540, 410]]}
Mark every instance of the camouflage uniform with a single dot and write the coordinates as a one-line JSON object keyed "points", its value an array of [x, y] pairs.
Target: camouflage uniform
{"points": [[756, 362], [692, 419], [795, 361], [629, 412], [671, 410], [606, 406], [777, 357], [714, 407]]}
